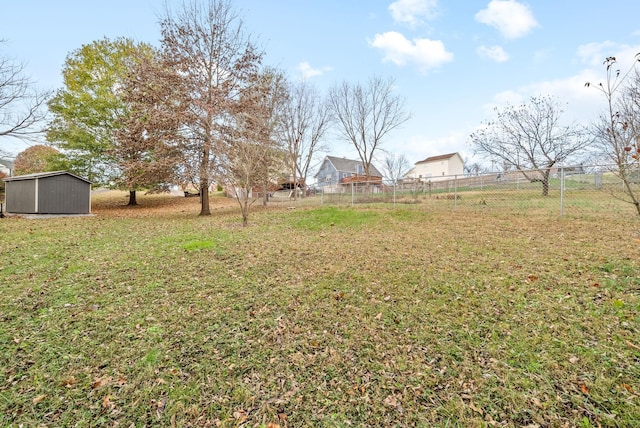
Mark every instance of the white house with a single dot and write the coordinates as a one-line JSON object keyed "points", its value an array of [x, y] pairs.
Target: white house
{"points": [[435, 168], [6, 167]]}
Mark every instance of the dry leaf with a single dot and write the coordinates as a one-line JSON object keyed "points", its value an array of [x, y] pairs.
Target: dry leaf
{"points": [[100, 382], [106, 402], [379, 316], [475, 409], [574, 359], [272, 425], [391, 401], [39, 398], [628, 387], [584, 388], [68, 382]]}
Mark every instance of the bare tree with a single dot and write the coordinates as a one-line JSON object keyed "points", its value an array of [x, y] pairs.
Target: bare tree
{"points": [[252, 157], [531, 139], [304, 121], [366, 114], [215, 61], [395, 166], [21, 105], [618, 128]]}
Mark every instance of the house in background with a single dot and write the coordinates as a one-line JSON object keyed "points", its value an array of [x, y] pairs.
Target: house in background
{"points": [[336, 174], [6, 167], [436, 168]]}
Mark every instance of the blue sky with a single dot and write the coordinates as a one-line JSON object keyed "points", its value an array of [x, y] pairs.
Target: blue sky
{"points": [[452, 60]]}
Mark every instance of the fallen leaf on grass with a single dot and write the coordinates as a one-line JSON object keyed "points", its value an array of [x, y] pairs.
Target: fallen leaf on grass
{"points": [[107, 403], [272, 425], [583, 388], [68, 382], [628, 387], [574, 359], [100, 382], [240, 416], [476, 409], [379, 316], [391, 401], [39, 398]]}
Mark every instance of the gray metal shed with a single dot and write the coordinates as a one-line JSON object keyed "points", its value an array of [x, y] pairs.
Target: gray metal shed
{"points": [[58, 192]]}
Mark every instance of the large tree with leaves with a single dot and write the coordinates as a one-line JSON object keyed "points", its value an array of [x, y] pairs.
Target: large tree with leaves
{"points": [[148, 138], [38, 158], [532, 139], [215, 62], [366, 114], [305, 118], [88, 110], [22, 109]]}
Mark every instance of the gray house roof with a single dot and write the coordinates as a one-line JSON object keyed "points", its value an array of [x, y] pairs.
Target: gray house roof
{"points": [[43, 175], [7, 163], [349, 165]]}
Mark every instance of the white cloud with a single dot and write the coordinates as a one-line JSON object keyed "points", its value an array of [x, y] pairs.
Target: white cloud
{"points": [[495, 53], [594, 54], [413, 12], [511, 18], [307, 71], [425, 53]]}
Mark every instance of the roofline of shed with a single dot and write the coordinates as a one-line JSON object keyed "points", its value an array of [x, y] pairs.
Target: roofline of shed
{"points": [[43, 175]]}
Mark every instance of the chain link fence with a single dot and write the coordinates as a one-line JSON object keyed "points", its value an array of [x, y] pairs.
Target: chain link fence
{"points": [[572, 191]]}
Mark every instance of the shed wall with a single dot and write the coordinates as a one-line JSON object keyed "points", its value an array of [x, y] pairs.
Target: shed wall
{"points": [[21, 196], [63, 194]]}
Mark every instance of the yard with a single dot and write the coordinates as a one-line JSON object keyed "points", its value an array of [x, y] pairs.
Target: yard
{"points": [[319, 316]]}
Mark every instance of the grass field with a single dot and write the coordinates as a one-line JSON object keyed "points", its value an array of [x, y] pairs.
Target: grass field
{"points": [[320, 316]]}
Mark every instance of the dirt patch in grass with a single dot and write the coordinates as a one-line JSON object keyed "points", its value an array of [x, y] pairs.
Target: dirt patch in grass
{"points": [[318, 317]]}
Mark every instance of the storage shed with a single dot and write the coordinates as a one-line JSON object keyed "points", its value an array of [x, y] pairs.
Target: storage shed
{"points": [[58, 192]]}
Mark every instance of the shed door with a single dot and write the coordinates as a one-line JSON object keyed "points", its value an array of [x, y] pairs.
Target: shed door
{"points": [[63, 194], [21, 196]]}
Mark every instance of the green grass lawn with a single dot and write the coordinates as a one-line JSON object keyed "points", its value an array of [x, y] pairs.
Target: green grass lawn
{"points": [[324, 316]]}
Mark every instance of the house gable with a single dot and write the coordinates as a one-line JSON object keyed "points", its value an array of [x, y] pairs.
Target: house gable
{"points": [[334, 170], [437, 167]]}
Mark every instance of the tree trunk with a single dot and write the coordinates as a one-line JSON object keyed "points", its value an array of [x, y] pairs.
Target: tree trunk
{"points": [[204, 197], [627, 184], [265, 195], [132, 199], [245, 211], [545, 182]]}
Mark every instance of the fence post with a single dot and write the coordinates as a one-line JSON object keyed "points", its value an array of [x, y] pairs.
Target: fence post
{"points": [[455, 191], [394, 194], [561, 191], [353, 195]]}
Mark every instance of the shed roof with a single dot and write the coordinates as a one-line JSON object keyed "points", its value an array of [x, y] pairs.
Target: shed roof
{"points": [[349, 165], [43, 175], [438, 158]]}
